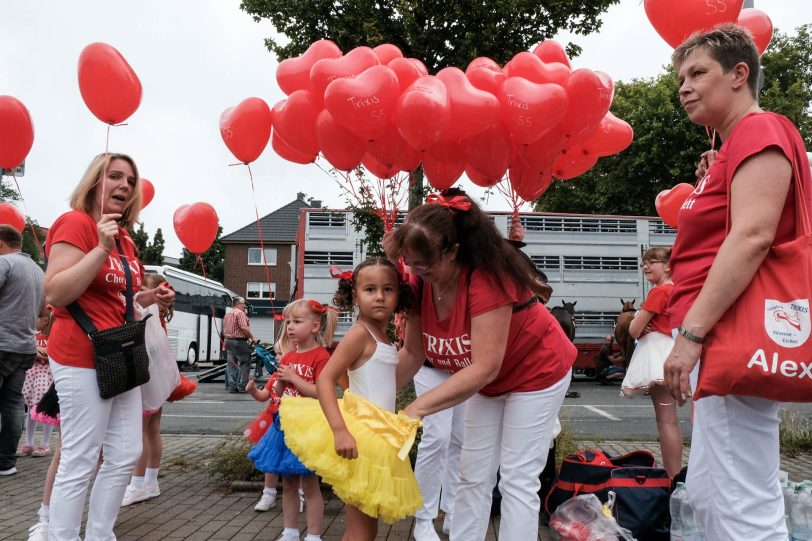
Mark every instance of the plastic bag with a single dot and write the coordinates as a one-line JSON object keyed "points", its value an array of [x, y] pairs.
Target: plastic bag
{"points": [[583, 518], [163, 368]]}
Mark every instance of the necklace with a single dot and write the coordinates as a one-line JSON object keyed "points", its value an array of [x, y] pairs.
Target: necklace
{"points": [[439, 295]]}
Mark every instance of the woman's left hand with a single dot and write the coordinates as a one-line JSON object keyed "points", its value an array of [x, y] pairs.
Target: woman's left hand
{"points": [[164, 296], [410, 411], [678, 366]]}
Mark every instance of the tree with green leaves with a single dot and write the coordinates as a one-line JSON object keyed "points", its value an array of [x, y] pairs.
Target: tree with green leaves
{"points": [[7, 193], [667, 145], [149, 253], [213, 259], [30, 242]]}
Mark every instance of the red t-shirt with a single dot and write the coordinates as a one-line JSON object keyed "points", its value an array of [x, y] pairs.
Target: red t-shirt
{"points": [[103, 301], [308, 365], [538, 353], [703, 216], [657, 303]]}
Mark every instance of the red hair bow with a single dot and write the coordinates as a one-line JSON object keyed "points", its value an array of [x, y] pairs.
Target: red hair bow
{"points": [[337, 273], [320, 308], [458, 202]]}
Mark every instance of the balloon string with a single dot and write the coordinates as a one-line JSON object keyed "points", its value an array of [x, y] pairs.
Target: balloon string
{"points": [[261, 240], [199, 260], [104, 173], [28, 217], [711, 138]]}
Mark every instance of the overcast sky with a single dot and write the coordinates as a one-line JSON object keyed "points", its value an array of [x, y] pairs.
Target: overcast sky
{"points": [[195, 58]]}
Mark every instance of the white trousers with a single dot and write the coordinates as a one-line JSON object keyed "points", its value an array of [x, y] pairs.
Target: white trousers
{"points": [[733, 469], [438, 454], [511, 433], [89, 425]]}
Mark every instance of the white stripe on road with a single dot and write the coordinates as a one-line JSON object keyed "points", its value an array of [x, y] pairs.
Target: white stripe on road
{"points": [[602, 412]]}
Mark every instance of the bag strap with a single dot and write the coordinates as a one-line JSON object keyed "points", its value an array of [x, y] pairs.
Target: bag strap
{"points": [[81, 316], [802, 223]]}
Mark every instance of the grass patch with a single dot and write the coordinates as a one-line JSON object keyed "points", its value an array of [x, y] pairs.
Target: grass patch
{"points": [[565, 444], [229, 461], [179, 460], [794, 433]]}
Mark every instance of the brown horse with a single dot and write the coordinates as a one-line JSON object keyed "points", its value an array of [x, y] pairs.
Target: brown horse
{"points": [[565, 315], [624, 340]]}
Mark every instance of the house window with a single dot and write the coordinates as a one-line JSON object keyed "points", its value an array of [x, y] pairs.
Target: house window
{"points": [[259, 290], [255, 256]]}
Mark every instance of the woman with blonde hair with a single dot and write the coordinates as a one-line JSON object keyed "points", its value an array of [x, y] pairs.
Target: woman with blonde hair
{"points": [[91, 262]]}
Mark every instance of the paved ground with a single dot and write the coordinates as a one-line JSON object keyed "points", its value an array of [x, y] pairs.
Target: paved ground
{"points": [[192, 506]]}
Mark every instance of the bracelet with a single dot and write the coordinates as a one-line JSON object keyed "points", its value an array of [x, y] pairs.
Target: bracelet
{"points": [[691, 336]]}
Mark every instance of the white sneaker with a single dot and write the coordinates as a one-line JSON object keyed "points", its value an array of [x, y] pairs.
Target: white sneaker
{"points": [[153, 490], [265, 502], [38, 532], [447, 523], [288, 538], [11, 471], [134, 495], [424, 530]]}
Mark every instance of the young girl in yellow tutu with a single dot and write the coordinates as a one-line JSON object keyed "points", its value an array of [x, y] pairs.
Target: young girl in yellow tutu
{"points": [[307, 331], [358, 444]]}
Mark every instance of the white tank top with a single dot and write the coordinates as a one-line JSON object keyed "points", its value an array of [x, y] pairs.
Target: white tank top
{"points": [[375, 379]]}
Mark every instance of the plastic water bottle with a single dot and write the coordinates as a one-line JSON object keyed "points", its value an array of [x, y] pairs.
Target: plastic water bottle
{"points": [[787, 489], [691, 529], [801, 513], [677, 526]]}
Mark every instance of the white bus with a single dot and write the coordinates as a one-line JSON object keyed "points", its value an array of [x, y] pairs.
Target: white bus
{"points": [[194, 331]]}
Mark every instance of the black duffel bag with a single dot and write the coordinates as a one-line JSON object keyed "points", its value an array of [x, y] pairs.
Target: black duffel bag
{"points": [[642, 489]]}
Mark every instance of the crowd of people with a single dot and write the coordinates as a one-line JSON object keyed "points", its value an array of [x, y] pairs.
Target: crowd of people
{"points": [[489, 362]]}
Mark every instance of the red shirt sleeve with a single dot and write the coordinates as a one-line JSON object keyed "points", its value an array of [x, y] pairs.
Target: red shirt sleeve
{"points": [[320, 361], [657, 300], [486, 292], [75, 228]]}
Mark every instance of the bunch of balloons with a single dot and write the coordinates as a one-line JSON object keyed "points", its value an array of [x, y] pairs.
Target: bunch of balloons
{"points": [[534, 118]]}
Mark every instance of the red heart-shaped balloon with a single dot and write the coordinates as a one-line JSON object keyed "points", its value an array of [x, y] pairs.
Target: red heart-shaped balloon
{"points": [[408, 71], [759, 25], [529, 184], [16, 134], [485, 74], [572, 163], [669, 202], [387, 52], [489, 154], [423, 112], [293, 74], [147, 192], [387, 146], [196, 226], [550, 51], [675, 20], [342, 148], [472, 109], [289, 153], [542, 153], [409, 158], [352, 64], [530, 110], [535, 70], [377, 168], [590, 94], [612, 135], [294, 119], [9, 215], [108, 84], [444, 164], [364, 104], [246, 128]]}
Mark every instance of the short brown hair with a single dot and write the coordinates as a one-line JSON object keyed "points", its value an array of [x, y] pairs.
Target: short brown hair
{"points": [[728, 44], [657, 253], [84, 195], [11, 236]]}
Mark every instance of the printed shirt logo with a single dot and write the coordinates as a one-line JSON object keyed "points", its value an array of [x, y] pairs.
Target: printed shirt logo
{"points": [[787, 323]]}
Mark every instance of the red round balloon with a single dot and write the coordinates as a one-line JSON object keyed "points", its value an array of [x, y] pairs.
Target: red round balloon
{"points": [[16, 132], [9, 215], [530, 110], [423, 112], [196, 226], [108, 84], [288, 152], [536, 70], [675, 20], [246, 129], [294, 119], [364, 104], [339, 146], [408, 70], [759, 25], [550, 50], [352, 64], [147, 193], [293, 74], [472, 109], [387, 52], [669, 202]]}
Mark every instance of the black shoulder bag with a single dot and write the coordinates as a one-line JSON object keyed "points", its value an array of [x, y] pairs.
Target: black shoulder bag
{"points": [[120, 352]]}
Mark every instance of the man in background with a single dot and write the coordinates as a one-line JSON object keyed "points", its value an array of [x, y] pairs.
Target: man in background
{"points": [[239, 338]]}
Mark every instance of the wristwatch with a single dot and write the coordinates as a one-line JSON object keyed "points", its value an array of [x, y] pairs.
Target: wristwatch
{"points": [[691, 336]]}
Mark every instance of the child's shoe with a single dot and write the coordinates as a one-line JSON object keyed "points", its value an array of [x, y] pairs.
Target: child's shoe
{"points": [[289, 534], [41, 450], [38, 532], [134, 495], [153, 491], [267, 501], [25, 450]]}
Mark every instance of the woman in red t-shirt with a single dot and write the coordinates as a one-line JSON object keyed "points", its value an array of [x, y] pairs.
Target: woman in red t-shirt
{"points": [[85, 266], [645, 374], [742, 206], [479, 319]]}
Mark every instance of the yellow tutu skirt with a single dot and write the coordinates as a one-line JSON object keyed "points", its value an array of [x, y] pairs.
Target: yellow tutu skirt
{"points": [[380, 482]]}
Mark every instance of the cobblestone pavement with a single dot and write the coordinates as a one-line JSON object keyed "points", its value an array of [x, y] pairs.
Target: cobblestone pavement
{"points": [[193, 507]]}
